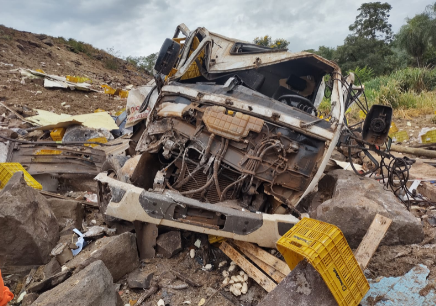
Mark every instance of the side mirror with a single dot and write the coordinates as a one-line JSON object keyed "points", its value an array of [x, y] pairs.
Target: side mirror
{"points": [[377, 124], [167, 56]]}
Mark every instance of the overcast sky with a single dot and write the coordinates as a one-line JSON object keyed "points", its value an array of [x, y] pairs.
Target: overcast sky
{"points": [[138, 27]]}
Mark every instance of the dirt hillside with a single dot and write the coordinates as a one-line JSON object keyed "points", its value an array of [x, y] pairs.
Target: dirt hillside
{"points": [[61, 57]]}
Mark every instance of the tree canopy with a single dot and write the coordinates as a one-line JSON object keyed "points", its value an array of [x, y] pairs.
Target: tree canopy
{"points": [[372, 22]]}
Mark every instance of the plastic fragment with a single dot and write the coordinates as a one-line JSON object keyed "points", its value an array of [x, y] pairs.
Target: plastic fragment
{"points": [[197, 243]]}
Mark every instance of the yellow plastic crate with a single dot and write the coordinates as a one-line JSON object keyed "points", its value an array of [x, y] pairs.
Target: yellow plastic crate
{"points": [[97, 139], [8, 169], [400, 136], [326, 249], [429, 137], [108, 90], [57, 134], [393, 129]]}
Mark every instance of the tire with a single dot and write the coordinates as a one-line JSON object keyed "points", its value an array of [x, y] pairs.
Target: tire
{"points": [[167, 56]]}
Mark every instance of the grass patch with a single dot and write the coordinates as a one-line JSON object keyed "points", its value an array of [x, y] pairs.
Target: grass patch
{"points": [[5, 36], [411, 92], [111, 63]]}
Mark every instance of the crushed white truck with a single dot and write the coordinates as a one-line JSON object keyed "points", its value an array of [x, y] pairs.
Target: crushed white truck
{"points": [[228, 139]]}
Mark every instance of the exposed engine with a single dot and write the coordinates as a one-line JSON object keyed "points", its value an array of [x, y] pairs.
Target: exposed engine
{"points": [[214, 154]]}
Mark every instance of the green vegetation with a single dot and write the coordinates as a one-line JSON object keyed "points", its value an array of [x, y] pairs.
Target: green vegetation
{"points": [[396, 70], [267, 41], [77, 46], [404, 89], [145, 63], [372, 43], [5, 36], [111, 59]]}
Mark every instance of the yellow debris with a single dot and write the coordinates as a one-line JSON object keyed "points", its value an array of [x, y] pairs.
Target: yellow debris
{"points": [[77, 79], [97, 139]]}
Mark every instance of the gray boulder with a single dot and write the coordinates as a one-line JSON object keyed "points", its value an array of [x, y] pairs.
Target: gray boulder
{"points": [[119, 254], [52, 268], [352, 203], [48, 42], [67, 212], [93, 286], [169, 244], [139, 279], [28, 227], [304, 286], [29, 298]]}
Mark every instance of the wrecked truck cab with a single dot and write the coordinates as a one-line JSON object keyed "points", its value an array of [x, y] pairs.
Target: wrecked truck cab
{"points": [[233, 140]]}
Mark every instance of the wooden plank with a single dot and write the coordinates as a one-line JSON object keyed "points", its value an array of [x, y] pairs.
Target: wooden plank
{"points": [[15, 113], [264, 281], [264, 256], [273, 273], [371, 240]]}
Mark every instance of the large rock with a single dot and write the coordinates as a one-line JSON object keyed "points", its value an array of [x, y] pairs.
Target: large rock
{"points": [[169, 244], [52, 268], [28, 227], [29, 298], [119, 254], [93, 286], [304, 286], [353, 203], [67, 212], [139, 279]]}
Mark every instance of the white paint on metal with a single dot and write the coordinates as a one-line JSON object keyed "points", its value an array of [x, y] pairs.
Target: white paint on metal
{"points": [[130, 209], [291, 121]]}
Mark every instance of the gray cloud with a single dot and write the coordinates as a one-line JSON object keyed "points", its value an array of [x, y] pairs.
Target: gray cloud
{"points": [[138, 27]]}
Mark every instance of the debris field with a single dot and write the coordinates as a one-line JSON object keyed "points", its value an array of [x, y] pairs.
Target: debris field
{"points": [[214, 181]]}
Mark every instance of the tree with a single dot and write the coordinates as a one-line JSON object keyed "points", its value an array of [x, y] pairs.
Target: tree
{"points": [[418, 36], [266, 41], [326, 52], [369, 44], [430, 11], [360, 52], [372, 22], [145, 63], [414, 37]]}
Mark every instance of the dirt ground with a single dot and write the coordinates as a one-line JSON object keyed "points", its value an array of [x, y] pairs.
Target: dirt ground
{"points": [[210, 280], [26, 50], [398, 260]]}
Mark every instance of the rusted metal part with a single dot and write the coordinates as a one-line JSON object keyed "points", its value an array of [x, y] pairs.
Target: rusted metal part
{"points": [[291, 172], [322, 131], [64, 160]]}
